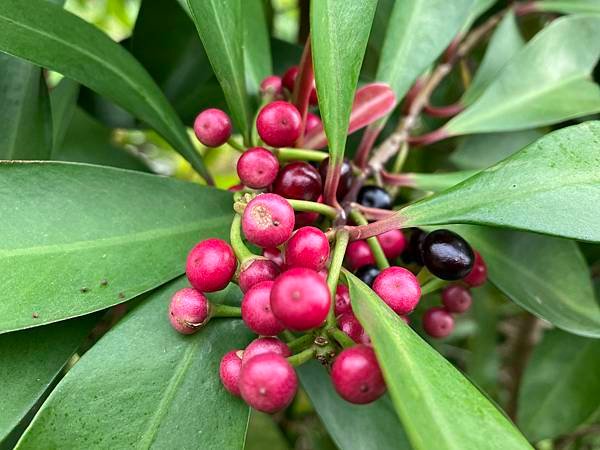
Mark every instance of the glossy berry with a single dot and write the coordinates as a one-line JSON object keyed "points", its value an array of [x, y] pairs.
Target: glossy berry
{"points": [[342, 300], [374, 197], [268, 220], [271, 85], [212, 127], [456, 298], [412, 252], [438, 323], [257, 168], [265, 345], [398, 288], [345, 176], [392, 243], [447, 255], [300, 299], [299, 181], [305, 219], [256, 310], [367, 274], [278, 124], [308, 247], [275, 255], [189, 310], [312, 122], [350, 325], [256, 271], [358, 254], [210, 265], [356, 375], [289, 78], [268, 383], [229, 371], [478, 274]]}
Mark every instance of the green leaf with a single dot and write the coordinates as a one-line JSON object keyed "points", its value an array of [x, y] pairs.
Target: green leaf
{"points": [[352, 427], [339, 35], [143, 386], [419, 32], [426, 389], [479, 7], [561, 386], [257, 46], [25, 118], [47, 35], [263, 433], [570, 6], [504, 44], [63, 100], [437, 181], [219, 25], [69, 227], [30, 361], [525, 94], [547, 187], [545, 275]]}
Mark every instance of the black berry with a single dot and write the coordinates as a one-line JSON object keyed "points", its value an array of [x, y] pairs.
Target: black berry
{"points": [[447, 255], [374, 197], [367, 274]]}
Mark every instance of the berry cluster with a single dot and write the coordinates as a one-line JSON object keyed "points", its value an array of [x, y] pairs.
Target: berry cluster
{"points": [[293, 298]]}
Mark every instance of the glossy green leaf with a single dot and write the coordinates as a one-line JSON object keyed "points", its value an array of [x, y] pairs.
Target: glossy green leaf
{"points": [[83, 237], [569, 6], [426, 389], [30, 361], [504, 44], [438, 181], [525, 94], [63, 100], [352, 427], [257, 46], [547, 187], [339, 35], [264, 432], [479, 7], [25, 118], [219, 25], [48, 36], [561, 386], [143, 385], [547, 276]]}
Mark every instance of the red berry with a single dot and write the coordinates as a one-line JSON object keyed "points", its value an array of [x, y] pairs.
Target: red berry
{"points": [[359, 254], [188, 311], [312, 121], [229, 371], [356, 375], [279, 124], [313, 99], [345, 176], [257, 168], [308, 247], [274, 254], [256, 271], [304, 219], [392, 243], [456, 298], [398, 288], [350, 325], [265, 345], [299, 181], [268, 383], [300, 299], [236, 187], [268, 220], [437, 322], [271, 85], [289, 78], [212, 127], [256, 310], [478, 274], [210, 265], [342, 300]]}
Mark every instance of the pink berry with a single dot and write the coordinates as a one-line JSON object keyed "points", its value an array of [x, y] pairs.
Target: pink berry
{"points": [[189, 310], [256, 271], [299, 180], [305, 219], [274, 254], [212, 127], [358, 254], [392, 243], [271, 85], [350, 325], [398, 288], [268, 383], [300, 299], [210, 265], [268, 220], [308, 247], [265, 345], [312, 121], [456, 298], [437, 322], [356, 375], [342, 300], [279, 123], [478, 274], [257, 168], [229, 371], [256, 310], [289, 78]]}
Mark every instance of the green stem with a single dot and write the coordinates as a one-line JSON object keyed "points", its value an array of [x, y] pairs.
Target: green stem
{"points": [[237, 243], [373, 242], [320, 208], [337, 258], [424, 276], [342, 338], [300, 154], [219, 310], [401, 158], [300, 343], [433, 285], [287, 336], [233, 143], [300, 358]]}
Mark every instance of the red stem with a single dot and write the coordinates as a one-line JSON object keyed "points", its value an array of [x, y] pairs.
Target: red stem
{"points": [[393, 222], [331, 183], [304, 84], [522, 9], [395, 179], [429, 138], [412, 94], [443, 111], [372, 213], [366, 144]]}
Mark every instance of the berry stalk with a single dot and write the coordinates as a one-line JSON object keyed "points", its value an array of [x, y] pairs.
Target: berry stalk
{"points": [[220, 310], [341, 338], [337, 259], [307, 206], [300, 358], [242, 253], [374, 244], [300, 154]]}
